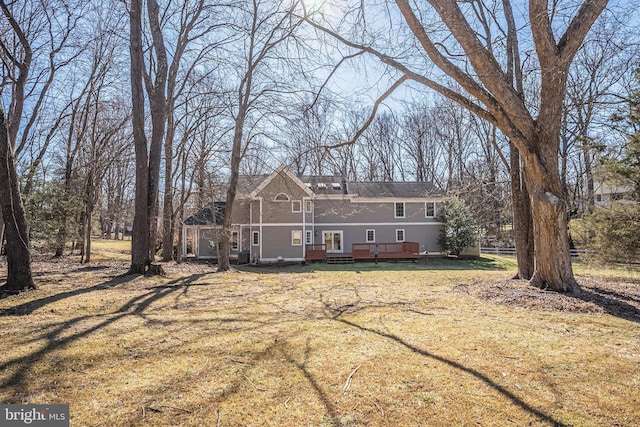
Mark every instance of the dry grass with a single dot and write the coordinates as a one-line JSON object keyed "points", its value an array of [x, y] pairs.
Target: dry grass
{"points": [[393, 344]]}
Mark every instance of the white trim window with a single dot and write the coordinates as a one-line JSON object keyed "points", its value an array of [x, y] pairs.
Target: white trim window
{"points": [[400, 235], [281, 197], [370, 236], [308, 237], [429, 209], [296, 237], [296, 206], [398, 210], [308, 206], [255, 238], [235, 240]]}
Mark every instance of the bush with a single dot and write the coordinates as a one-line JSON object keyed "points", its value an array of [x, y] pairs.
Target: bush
{"points": [[614, 233], [459, 230]]}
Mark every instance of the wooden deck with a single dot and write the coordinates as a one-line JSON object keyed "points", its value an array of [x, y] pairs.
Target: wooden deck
{"points": [[365, 251]]}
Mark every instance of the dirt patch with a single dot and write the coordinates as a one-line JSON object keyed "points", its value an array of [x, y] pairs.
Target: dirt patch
{"points": [[618, 296]]}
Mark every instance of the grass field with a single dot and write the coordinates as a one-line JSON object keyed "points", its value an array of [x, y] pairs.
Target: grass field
{"points": [[393, 344]]}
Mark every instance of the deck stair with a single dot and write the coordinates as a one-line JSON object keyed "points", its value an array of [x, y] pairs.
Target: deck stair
{"points": [[340, 259]]}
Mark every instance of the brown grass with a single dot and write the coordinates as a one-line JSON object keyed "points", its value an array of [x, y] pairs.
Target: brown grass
{"points": [[277, 347]]}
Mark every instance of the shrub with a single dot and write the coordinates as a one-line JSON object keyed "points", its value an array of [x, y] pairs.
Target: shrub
{"points": [[614, 232], [459, 230]]}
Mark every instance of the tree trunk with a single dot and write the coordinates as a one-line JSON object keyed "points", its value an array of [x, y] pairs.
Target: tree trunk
{"points": [[167, 209], [19, 275], [140, 236], [148, 156], [550, 227], [86, 239], [61, 237], [179, 233], [522, 220], [236, 157]]}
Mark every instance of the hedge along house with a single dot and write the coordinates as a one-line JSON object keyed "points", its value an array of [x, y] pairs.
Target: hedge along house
{"points": [[282, 217]]}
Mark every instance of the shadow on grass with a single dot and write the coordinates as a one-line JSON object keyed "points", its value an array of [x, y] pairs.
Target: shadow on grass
{"points": [[322, 395], [31, 306], [479, 375], [54, 339], [612, 302]]}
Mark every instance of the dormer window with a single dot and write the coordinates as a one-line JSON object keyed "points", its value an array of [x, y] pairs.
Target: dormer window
{"points": [[281, 197], [336, 186], [322, 186]]}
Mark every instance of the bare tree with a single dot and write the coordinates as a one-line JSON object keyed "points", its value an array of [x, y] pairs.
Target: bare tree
{"points": [[603, 62], [534, 129], [19, 275], [271, 25], [193, 23], [420, 141], [148, 153], [309, 132]]}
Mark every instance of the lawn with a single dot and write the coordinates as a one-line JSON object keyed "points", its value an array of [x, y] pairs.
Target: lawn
{"points": [[392, 344]]}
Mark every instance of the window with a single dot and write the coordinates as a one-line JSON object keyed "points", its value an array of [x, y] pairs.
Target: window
{"points": [[399, 235], [336, 186], [234, 240], [430, 209], [281, 197], [371, 236], [399, 210], [296, 237], [255, 239], [308, 237], [598, 197], [308, 206], [296, 206]]}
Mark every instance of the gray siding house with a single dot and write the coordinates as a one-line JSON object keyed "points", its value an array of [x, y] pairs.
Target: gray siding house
{"points": [[283, 217]]}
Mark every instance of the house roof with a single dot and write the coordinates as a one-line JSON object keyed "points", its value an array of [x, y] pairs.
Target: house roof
{"points": [[206, 215], [372, 189], [394, 189], [248, 185], [282, 170]]}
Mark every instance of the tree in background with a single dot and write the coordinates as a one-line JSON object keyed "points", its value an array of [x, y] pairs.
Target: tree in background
{"points": [[478, 78], [612, 232], [265, 28], [625, 168], [19, 275], [459, 230]]}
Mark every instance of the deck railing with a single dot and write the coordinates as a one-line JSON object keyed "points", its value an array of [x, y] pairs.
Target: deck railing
{"points": [[397, 250], [316, 251], [385, 250]]}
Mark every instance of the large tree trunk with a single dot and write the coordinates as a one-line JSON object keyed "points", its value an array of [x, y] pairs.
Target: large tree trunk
{"points": [[148, 156], [140, 236], [19, 275], [550, 227]]}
